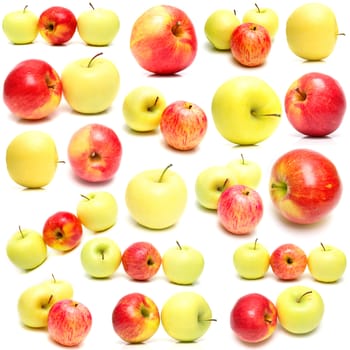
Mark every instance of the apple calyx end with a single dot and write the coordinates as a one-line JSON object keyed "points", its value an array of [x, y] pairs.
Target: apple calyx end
{"points": [[303, 295]]}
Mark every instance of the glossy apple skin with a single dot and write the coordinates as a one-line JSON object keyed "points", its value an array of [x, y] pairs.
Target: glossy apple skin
{"points": [[305, 186], [253, 318], [57, 25], [32, 89], [135, 318], [315, 104], [95, 152], [250, 44], [183, 125], [163, 40]]}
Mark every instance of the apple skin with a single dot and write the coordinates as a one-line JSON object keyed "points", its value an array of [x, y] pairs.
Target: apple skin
{"points": [[253, 318], [57, 25], [240, 209], [304, 186], [141, 261], [183, 125], [32, 89], [135, 318], [250, 44], [94, 152], [163, 40], [69, 322], [315, 104], [288, 262]]}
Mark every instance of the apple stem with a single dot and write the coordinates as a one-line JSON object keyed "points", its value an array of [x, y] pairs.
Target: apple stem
{"points": [[90, 62], [242, 157], [163, 172], [280, 186], [53, 277], [341, 34], [179, 245], [302, 296], [48, 301], [323, 247], [256, 5], [302, 94], [20, 231], [91, 5], [221, 188], [85, 197], [255, 243], [25, 7], [266, 115], [235, 12], [176, 27], [211, 320], [154, 104]]}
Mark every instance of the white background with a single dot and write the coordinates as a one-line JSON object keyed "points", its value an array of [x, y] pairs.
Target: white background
{"points": [[219, 283]]}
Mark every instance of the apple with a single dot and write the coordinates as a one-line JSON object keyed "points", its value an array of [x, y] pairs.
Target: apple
{"points": [[156, 198], [94, 152], [32, 158], [211, 182], [57, 25], [183, 125], [182, 264], [327, 263], [32, 90], [246, 110], [300, 309], [62, 231], [247, 172], [163, 40], [253, 318], [312, 31], [219, 26], [315, 104], [97, 210], [35, 302], [288, 261], [100, 257], [141, 261], [251, 260], [69, 322], [20, 26], [90, 85], [250, 44], [304, 186], [186, 316], [98, 26], [264, 16], [135, 318], [240, 209], [143, 107]]}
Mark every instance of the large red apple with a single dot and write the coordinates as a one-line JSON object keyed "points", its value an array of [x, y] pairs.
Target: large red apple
{"points": [[253, 318], [32, 89], [94, 152], [315, 104], [305, 186], [163, 40]]}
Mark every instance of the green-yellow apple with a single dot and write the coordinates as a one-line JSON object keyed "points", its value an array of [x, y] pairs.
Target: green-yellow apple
{"points": [[327, 263], [312, 31], [246, 110], [219, 26], [300, 309], [98, 210], [98, 26], [211, 182], [100, 257], [90, 85], [32, 158], [156, 198], [251, 260], [143, 107], [21, 26], [247, 172], [182, 264], [35, 302], [186, 316]]}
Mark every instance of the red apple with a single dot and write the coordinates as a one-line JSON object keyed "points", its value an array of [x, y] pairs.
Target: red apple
{"points": [[250, 44], [240, 209], [94, 152], [141, 260], [69, 322], [32, 89], [57, 25], [304, 186], [315, 104], [62, 231], [135, 318], [183, 125], [288, 261], [163, 40], [253, 318]]}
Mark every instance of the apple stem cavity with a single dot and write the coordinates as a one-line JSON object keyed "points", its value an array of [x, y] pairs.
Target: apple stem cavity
{"points": [[176, 29], [93, 58], [303, 295], [163, 172]]}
